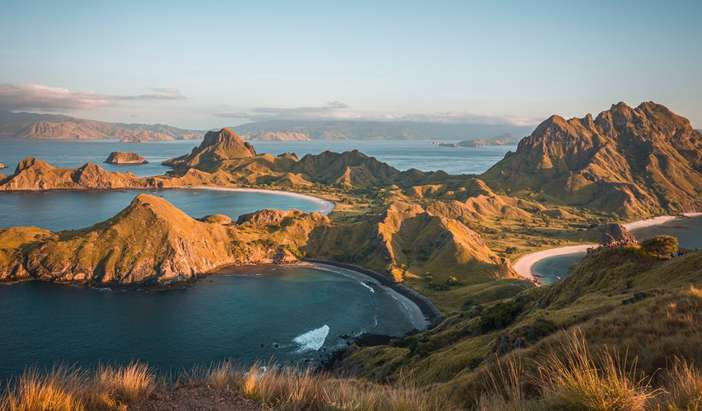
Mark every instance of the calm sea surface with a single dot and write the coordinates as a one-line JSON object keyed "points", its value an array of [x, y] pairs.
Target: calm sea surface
{"points": [[401, 154], [286, 314], [687, 230], [62, 210]]}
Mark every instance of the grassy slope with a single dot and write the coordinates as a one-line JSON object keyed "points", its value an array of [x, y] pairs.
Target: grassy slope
{"points": [[660, 320]]}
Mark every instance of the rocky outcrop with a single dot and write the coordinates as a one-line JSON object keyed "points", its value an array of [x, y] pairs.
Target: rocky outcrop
{"points": [[2, 165], [216, 148], [33, 174], [631, 161], [173, 247], [125, 157], [616, 235]]}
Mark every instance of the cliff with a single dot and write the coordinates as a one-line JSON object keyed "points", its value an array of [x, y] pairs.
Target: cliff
{"points": [[175, 247], [124, 157], [632, 161]]}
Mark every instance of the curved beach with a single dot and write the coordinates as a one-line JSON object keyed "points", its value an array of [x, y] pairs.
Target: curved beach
{"points": [[524, 266], [326, 205]]}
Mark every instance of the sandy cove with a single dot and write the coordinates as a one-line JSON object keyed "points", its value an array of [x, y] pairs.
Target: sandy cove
{"points": [[326, 205], [524, 266]]}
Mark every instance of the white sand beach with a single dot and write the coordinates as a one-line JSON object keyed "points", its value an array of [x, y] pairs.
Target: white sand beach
{"points": [[326, 205], [524, 266]]}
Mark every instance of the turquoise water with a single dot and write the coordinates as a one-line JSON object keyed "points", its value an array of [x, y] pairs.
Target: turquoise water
{"points": [[687, 230], [401, 154], [256, 315], [556, 268], [61, 210]]}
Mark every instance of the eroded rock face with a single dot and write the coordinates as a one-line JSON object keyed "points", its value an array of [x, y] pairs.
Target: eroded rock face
{"points": [[173, 247], [125, 157], [632, 161], [616, 235]]}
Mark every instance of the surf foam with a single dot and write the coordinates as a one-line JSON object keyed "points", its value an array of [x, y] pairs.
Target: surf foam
{"points": [[312, 340]]}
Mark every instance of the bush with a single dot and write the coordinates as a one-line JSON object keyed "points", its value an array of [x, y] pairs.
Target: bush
{"points": [[662, 246]]}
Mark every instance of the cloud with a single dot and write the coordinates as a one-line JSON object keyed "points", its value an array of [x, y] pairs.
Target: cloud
{"points": [[337, 110], [334, 110], [45, 98], [156, 94]]}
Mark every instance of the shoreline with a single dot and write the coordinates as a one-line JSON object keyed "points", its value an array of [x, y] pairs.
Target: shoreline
{"points": [[431, 314], [524, 265], [326, 205]]}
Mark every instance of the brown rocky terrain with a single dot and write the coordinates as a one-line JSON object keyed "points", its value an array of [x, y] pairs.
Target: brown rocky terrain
{"points": [[176, 247], [631, 161], [34, 174], [125, 157], [407, 241]]}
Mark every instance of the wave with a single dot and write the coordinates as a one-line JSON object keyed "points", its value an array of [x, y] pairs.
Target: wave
{"points": [[363, 283], [312, 340]]}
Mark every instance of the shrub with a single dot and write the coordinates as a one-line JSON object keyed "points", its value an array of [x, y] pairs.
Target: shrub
{"points": [[662, 246]]}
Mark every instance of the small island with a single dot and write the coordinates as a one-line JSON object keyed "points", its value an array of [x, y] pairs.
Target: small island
{"points": [[2, 165], [125, 157]]}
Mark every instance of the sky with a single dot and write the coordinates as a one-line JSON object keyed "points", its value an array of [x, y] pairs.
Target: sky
{"points": [[207, 64]]}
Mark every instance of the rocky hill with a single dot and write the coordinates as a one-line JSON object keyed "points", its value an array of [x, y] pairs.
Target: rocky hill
{"points": [[34, 174], [216, 148], [632, 161], [407, 241], [60, 127], [225, 158], [176, 247], [124, 157]]}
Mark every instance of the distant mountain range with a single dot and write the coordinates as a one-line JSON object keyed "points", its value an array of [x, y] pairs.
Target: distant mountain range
{"points": [[61, 127], [503, 140], [374, 130]]}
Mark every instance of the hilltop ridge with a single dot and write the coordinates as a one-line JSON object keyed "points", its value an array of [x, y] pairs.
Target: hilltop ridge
{"points": [[632, 161]]}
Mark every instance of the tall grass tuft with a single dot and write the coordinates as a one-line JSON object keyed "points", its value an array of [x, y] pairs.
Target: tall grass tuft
{"points": [[572, 379], [684, 387], [125, 384], [54, 391]]}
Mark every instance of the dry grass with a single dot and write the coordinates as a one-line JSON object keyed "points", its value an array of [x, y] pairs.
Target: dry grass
{"points": [[290, 389], [66, 388], [125, 384], [684, 387], [56, 391], [573, 379]]}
